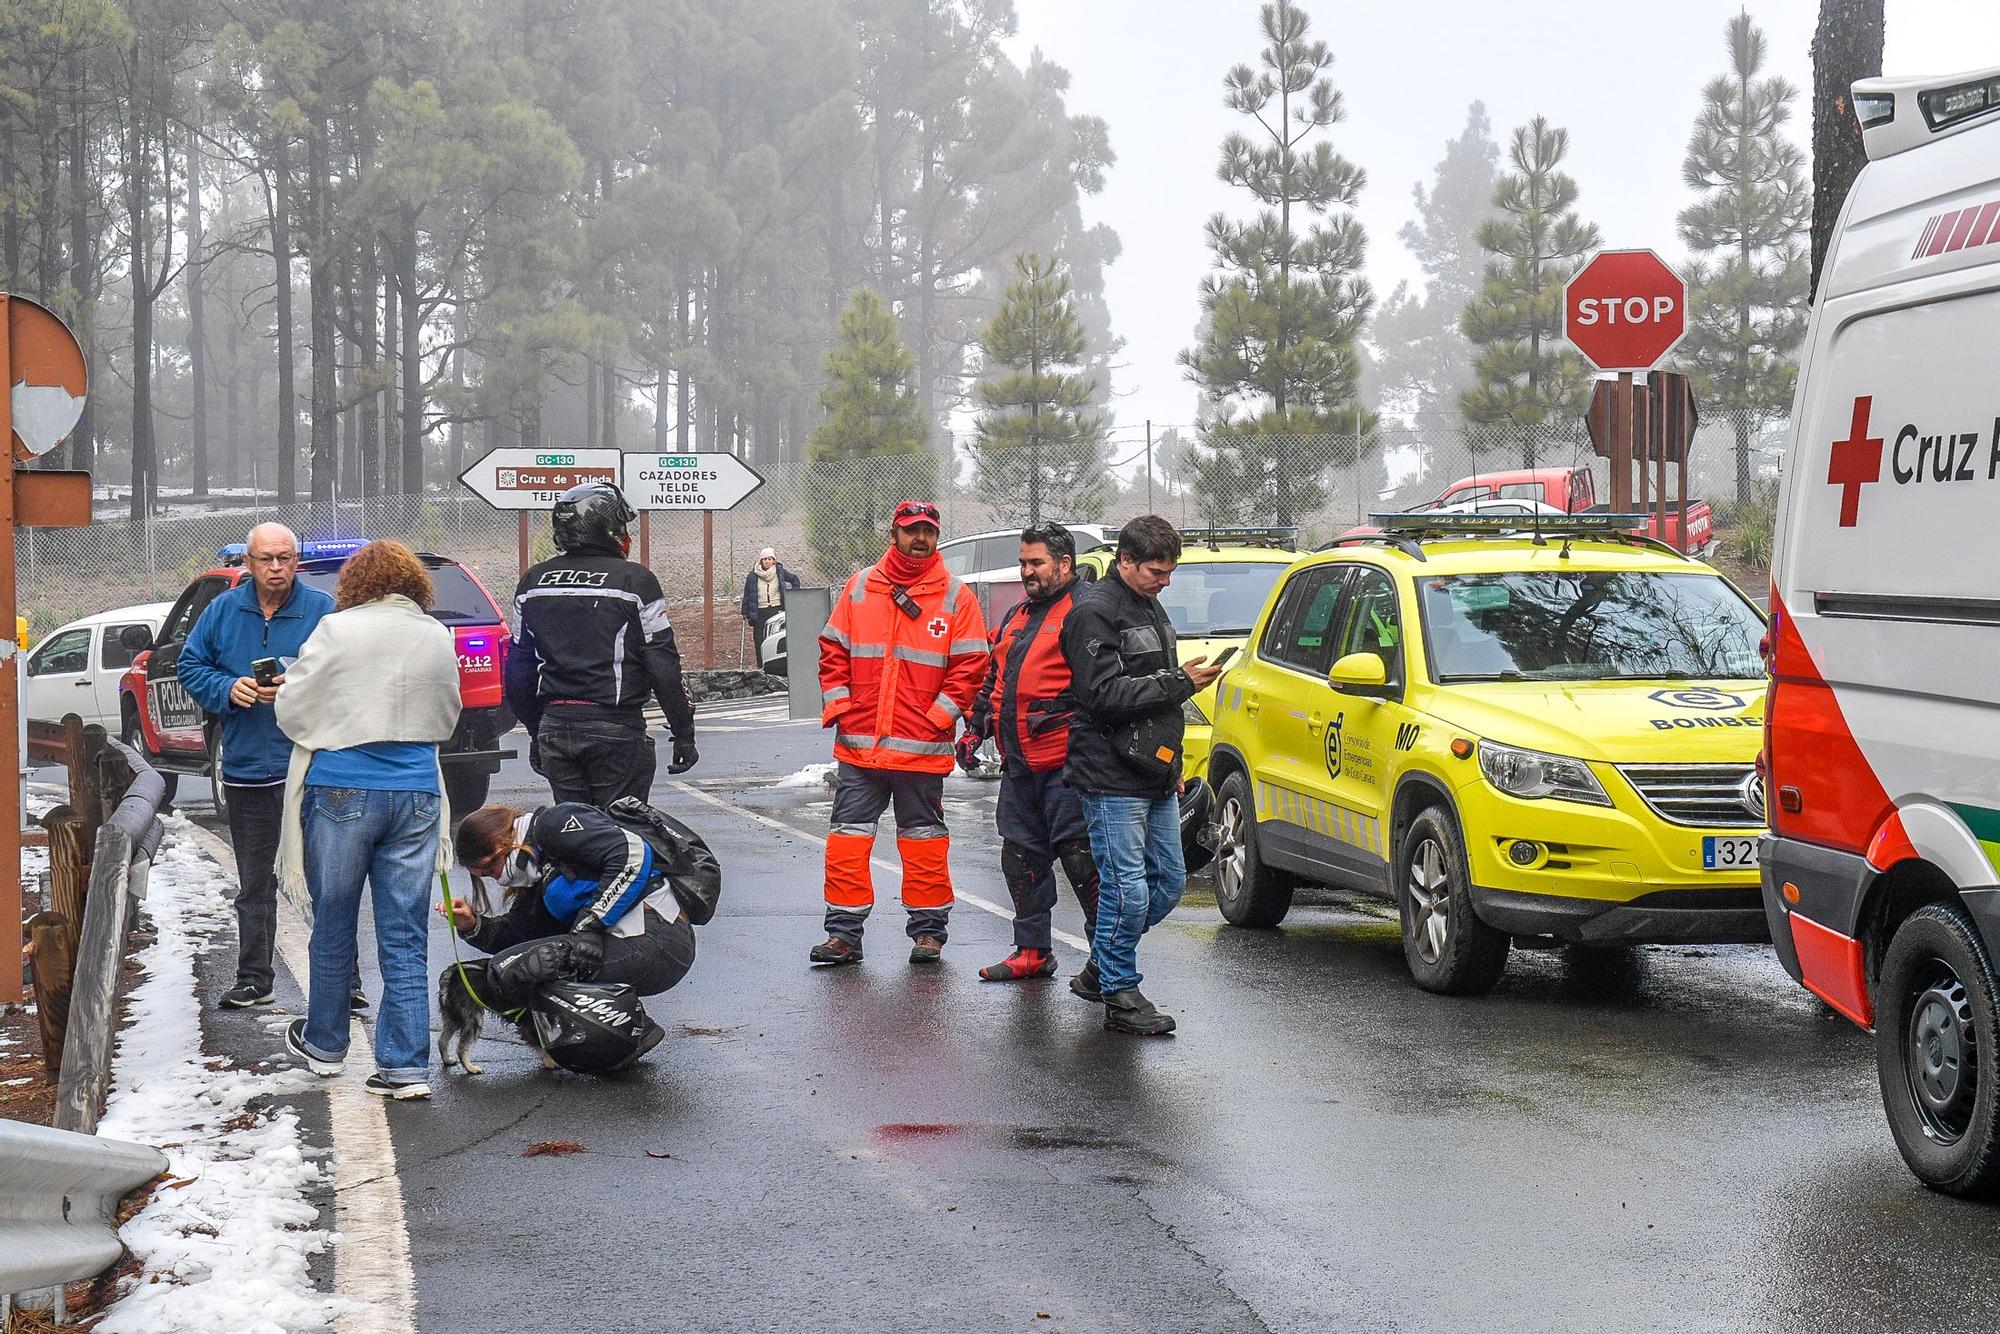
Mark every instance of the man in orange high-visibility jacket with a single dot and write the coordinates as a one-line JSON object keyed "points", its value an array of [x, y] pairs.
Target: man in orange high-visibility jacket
{"points": [[899, 661]]}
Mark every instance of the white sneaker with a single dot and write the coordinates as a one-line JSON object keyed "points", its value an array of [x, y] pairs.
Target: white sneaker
{"points": [[382, 1086]]}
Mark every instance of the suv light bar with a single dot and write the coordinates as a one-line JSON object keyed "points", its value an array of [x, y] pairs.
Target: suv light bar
{"points": [[1474, 525], [1211, 536]]}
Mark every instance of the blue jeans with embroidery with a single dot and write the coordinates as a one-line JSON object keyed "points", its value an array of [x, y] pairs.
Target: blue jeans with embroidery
{"points": [[1136, 842], [387, 840]]}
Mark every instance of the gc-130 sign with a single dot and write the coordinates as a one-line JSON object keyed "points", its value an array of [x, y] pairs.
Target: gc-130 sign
{"points": [[688, 481]]}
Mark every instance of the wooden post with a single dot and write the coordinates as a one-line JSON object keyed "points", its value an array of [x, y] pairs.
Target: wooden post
{"points": [[646, 538], [10, 680], [1621, 446], [1664, 418], [69, 868]]}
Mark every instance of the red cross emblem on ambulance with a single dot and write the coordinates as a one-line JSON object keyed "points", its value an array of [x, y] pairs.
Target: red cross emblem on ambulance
{"points": [[938, 625], [1855, 462]]}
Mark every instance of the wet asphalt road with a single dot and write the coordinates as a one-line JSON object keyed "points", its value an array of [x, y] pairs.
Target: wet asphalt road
{"points": [[1674, 1139]]}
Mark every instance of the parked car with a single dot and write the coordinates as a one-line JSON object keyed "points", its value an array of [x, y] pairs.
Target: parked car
{"points": [[1882, 871], [77, 668], [996, 556], [1574, 491], [1506, 737], [772, 655], [158, 715]]}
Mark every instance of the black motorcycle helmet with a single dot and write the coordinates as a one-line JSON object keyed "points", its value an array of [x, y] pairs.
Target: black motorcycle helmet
{"points": [[592, 516], [593, 1028], [1197, 825]]}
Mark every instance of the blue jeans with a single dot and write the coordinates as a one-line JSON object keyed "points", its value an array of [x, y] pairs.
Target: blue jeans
{"points": [[389, 840], [1137, 844]]}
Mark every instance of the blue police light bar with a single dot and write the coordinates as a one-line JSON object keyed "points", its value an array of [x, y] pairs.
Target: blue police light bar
{"points": [[339, 548], [1474, 524]]}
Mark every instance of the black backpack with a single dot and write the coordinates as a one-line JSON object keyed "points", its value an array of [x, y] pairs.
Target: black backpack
{"points": [[692, 871]]}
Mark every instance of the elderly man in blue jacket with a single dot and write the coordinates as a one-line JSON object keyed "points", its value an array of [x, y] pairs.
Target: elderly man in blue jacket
{"points": [[268, 615]]}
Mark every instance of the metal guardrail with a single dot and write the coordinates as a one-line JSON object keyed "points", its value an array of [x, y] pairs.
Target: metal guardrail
{"points": [[59, 1187], [58, 1194]]}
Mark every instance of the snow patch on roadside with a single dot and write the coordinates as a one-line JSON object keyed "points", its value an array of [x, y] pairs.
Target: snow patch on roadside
{"points": [[813, 775], [229, 1250]]}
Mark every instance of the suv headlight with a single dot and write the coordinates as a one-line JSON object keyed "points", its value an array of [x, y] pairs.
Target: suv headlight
{"points": [[1191, 713], [1535, 774]]}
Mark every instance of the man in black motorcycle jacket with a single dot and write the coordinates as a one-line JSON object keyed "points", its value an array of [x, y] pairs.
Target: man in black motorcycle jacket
{"points": [[591, 642]]}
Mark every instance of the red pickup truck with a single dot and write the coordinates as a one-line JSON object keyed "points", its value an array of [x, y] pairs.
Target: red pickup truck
{"points": [[159, 718], [1574, 490]]}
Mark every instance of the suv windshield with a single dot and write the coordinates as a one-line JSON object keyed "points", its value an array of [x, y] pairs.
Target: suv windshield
{"points": [[457, 599], [1219, 597], [1588, 625]]}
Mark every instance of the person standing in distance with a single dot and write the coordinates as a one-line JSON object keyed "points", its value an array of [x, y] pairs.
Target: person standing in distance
{"points": [[1124, 757], [591, 642], [764, 593], [899, 660], [269, 615], [1024, 706]]}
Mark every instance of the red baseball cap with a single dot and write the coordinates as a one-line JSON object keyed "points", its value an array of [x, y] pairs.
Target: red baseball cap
{"points": [[910, 513]]}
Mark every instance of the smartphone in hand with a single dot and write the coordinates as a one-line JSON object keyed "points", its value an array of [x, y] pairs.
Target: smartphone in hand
{"points": [[1223, 657], [264, 671]]}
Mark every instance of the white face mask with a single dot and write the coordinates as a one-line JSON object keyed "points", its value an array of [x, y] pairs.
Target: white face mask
{"points": [[520, 869]]}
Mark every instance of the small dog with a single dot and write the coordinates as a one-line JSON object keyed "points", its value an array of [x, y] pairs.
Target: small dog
{"points": [[461, 1013]]}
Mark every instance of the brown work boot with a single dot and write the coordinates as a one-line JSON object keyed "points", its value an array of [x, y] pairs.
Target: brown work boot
{"points": [[834, 950], [1019, 965], [926, 949]]}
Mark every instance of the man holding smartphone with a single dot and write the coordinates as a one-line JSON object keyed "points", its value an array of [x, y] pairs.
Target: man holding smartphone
{"points": [[232, 665], [1125, 757]]}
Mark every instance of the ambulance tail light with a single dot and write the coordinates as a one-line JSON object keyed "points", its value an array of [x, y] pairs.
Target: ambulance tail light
{"points": [[1873, 109]]}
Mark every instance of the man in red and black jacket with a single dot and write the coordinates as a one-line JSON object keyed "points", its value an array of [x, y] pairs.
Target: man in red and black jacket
{"points": [[1024, 706]]}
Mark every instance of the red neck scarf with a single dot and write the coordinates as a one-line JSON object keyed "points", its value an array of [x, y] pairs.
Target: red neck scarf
{"points": [[902, 571]]}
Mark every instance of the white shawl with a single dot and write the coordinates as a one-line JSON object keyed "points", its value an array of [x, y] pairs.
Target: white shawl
{"points": [[382, 671]]}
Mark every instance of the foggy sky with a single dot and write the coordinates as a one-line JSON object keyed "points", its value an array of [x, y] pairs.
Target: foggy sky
{"points": [[1625, 79]]}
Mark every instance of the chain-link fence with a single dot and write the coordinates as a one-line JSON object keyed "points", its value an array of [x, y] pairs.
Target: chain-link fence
{"points": [[824, 519]]}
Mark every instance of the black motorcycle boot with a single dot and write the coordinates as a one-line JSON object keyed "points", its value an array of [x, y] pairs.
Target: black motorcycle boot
{"points": [[1084, 983], [1130, 1012]]}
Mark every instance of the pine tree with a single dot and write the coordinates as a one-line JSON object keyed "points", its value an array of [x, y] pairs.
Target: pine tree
{"points": [[871, 409], [1423, 362], [1037, 434], [1748, 304], [1287, 301], [1528, 376]]}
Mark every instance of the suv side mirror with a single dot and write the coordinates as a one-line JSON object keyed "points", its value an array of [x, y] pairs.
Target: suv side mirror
{"points": [[135, 638], [1361, 674]]}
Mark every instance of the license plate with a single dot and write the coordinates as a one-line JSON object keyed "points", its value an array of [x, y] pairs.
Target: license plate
{"points": [[1729, 854]]}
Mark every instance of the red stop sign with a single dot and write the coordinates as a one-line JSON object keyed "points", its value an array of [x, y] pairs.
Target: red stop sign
{"points": [[1624, 310]]}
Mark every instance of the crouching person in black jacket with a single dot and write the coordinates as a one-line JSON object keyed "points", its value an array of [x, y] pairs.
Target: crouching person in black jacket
{"points": [[1125, 757], [586, 900]]}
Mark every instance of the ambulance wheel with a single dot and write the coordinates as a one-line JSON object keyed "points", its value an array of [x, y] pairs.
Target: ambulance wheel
{"points": [[1248, 892], [1936, 1052], [466, 789], [1448, 949]]}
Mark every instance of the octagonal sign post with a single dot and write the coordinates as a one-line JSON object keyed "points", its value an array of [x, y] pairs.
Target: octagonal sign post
{"points": [[1624, 310]]}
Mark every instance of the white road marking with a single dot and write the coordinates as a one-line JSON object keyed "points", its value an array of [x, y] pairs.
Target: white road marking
{"points": [[371, 1261], [1065, 937]]}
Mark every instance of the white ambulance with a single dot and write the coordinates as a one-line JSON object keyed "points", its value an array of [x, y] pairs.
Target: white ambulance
{"points": [[1883, 721]]}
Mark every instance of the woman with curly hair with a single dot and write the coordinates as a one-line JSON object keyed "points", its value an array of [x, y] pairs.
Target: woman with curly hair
{"points": [[374, 690]]}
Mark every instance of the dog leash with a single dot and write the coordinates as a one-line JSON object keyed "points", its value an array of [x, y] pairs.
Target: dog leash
{"points": [[444, 892]]}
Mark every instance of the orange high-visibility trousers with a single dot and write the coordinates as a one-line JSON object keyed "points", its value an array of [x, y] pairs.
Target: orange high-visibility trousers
{"points": [[926, 868], [850, 882]]}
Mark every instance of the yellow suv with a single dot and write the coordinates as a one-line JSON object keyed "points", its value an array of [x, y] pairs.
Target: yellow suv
{"points": [[1547, 736], [1221, 583]]}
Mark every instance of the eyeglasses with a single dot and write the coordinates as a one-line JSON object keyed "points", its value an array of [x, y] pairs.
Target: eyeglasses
{"points": [[276, 562]]}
